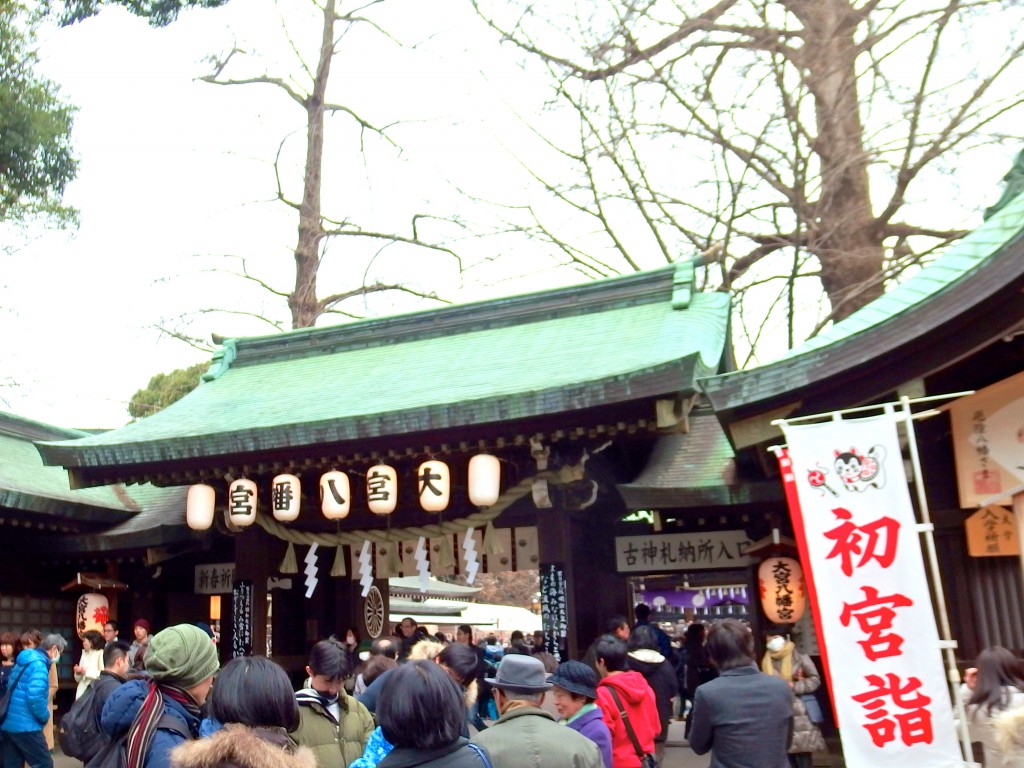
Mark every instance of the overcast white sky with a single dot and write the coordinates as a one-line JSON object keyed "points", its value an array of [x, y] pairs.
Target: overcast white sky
{"points": [[175, 173]]}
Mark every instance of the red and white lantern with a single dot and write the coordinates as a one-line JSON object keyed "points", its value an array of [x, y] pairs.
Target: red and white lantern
{"points": [[285, 498], [200, 505], [783, 596], [484, 479], [434, 484], [382, 489], [91, 612], [335, 495], [243, 500]]}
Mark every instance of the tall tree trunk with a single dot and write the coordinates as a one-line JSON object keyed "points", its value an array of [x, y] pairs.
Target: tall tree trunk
{"points": [[303, 302], [844, 235]]}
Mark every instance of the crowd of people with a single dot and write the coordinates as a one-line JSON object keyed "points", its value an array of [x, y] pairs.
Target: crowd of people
{"points": [[415, 699]]}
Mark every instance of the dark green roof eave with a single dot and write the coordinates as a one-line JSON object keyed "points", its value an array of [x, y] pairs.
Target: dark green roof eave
{"points": [[678, 377], [59, 509]]}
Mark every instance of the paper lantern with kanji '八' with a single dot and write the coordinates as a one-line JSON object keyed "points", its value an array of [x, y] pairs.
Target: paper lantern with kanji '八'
{"points": [[335, 495], [285, 498], [434, 482], [243, 498], [91, 612], [484, 479], [382, 489], [781, 582], [200, 505]]}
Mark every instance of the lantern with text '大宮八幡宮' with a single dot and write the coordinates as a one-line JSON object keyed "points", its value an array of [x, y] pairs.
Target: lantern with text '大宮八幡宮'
{"points": [[200, 505], [382, 489], [484, 479], [335, 495], [434, 483], [781, 582], [91, 613], [285, 498], [242, 500]]}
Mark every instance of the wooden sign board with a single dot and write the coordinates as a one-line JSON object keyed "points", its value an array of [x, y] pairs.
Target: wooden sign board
{"points": [[992, 532]]}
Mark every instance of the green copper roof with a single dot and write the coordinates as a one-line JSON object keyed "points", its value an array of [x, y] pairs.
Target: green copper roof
{"points": [[961, 258], [595, 344], [27, 486]]}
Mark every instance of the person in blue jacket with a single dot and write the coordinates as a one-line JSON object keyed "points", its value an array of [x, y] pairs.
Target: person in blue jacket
{"points": [[162, 711], [29, 707]]}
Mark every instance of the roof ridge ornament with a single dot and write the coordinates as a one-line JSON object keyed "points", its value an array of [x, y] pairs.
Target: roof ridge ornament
{"points": [[222, 360], [683, 284]]}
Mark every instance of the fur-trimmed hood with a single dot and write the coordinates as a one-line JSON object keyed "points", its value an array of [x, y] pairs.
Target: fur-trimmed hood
{"points": [[1009, 731], [238, 746]]}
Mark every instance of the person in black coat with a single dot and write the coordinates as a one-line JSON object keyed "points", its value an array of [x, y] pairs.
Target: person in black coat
{"points": [[743, 717]]}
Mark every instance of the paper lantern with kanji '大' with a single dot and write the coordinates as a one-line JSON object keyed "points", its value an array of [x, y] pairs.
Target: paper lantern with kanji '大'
{"points": [[781, 582], [335, 495], [382, 489], [91, 612], [285, 498], [484, 479], [434, 482], [243, 498], [200, 505]]}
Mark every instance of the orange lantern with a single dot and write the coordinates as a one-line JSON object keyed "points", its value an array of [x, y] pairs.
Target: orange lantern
{"points": [[434, 481], [335, 495], [484, 479], [285, 498], [783, 596], [382, 489], [200, 505], [91, 612], [242, 503]]}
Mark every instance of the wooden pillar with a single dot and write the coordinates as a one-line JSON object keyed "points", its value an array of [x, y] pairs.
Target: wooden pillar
{"points": [[256, 558]]}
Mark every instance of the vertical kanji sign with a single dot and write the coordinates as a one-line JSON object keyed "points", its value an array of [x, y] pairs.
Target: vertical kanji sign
{"points": [[862, 554]]}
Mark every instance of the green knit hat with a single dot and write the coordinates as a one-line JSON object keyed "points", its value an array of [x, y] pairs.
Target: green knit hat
{"points": [[182, 655]]}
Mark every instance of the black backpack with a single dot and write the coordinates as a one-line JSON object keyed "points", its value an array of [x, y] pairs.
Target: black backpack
{"points": [[112, 754], [79, 734]]}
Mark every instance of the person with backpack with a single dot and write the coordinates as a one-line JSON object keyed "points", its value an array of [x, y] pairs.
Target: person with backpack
{"points": [[80, 735], [29, 707], [147, 718]]}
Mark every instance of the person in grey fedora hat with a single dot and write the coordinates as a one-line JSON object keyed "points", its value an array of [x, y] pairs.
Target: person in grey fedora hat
{"points": [[574, 687], [524, 735]]}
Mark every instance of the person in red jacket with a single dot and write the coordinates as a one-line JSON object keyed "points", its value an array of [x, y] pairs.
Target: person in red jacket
{"points": [[636, 699]]}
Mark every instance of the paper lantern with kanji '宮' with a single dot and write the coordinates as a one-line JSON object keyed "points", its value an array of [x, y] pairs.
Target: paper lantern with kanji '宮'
{"points": [[91, 612], [335, 495], [200, 505], [242, 503], [382, 489], [434, 482], [484, 479], [781, 582], [285, 498]]}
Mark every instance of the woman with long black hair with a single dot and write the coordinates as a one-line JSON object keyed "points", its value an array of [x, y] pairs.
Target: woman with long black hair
{"points": [[995, 708]]}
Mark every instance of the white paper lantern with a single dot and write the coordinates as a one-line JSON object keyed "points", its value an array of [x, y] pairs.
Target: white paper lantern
{"points": [[91, 612], [242, 503], [200, 504], [434, 483], [285, 498], [335, 495], [484, 479], [781, 581], [382, 489]]}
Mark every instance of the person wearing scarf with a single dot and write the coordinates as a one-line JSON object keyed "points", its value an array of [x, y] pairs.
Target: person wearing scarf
{"points": [[783, 660], [181, 661]]}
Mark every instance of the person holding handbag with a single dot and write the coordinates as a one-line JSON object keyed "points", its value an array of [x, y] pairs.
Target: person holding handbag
{"points": [[783, 660], [28, 707]]}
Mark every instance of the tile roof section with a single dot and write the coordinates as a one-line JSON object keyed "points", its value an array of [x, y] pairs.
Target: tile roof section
{"points": [[975, 268], [603, 342]]}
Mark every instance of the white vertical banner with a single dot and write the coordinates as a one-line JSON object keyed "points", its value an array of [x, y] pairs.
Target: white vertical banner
{"points": [[863, 556]]}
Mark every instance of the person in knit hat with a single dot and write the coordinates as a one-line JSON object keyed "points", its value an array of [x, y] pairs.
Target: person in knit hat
{"points": [[163, 711], [140, 630]]}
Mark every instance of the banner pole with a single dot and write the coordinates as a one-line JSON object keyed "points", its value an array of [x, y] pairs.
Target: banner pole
{"points": [[927, 530]]}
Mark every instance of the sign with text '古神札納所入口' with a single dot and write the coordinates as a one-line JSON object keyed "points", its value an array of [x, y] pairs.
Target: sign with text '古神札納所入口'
{"points": [[862, 562], [682, 551]]}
